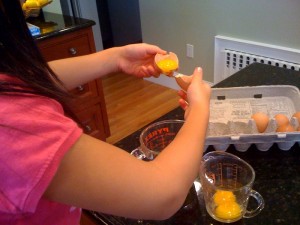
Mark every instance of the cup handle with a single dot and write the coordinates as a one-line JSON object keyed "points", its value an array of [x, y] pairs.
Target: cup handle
{"points": [[137, 153], [260, 206]]}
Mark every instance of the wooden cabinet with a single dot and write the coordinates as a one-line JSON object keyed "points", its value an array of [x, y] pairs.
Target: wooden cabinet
{"points": [[90, 104]]}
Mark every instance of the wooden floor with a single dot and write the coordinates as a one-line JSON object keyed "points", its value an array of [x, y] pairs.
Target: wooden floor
{"points": [[133, 103]]}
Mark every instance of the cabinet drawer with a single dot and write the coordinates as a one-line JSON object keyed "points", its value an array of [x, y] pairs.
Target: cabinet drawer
{"points": [[86, 95], [68, 45], [91, 120]]}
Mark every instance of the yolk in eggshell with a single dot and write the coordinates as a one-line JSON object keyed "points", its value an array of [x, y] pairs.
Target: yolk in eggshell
{"points": [[167, 65]]}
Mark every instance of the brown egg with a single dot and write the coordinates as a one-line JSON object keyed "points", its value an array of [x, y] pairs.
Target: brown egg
{"points": [[183, 81], [261, 120], [281, 119], [285, 128]]}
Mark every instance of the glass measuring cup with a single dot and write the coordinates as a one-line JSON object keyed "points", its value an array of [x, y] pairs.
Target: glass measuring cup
{"points": [[227, 185], [156, 137], [153, 139]]}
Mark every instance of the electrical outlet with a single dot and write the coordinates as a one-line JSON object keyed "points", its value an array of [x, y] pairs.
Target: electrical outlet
{"points": [[190, 51]]}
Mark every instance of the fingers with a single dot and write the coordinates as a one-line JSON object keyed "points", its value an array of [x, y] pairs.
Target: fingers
{"points": [[182, 94], [153, 49], [198, 74], [183, 99], [156, 69], [150, 71], [151, 68], [184, 82], [143, 72], [183, 104]]}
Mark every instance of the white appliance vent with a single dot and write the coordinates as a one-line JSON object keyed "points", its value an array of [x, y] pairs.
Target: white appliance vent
{"points": [[232, 55]]}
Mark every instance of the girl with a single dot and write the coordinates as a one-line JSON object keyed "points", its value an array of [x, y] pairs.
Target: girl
{"points": [[49, 169]]}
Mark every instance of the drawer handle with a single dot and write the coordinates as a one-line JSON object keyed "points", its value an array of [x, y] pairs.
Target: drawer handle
{"points": [[80, 88], [88, 129], [73, 51]]}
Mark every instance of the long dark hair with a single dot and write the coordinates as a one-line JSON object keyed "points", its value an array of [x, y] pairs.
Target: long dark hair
{"points": [[21, 59]]}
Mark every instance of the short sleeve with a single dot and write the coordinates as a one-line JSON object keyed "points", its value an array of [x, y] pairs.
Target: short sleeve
{"points": [[34, 136]]}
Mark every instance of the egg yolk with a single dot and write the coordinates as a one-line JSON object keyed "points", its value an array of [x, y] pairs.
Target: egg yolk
{"points": [[167, 65], [228, 210], [223, 197]]}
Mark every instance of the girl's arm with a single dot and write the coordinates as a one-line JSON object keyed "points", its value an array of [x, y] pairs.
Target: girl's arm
{"points": [[136, 59], [98, 176]]}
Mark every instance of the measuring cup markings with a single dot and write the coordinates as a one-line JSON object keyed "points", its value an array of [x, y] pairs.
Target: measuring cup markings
{"points": [[232, 171], [154, 133], [159, 141]]}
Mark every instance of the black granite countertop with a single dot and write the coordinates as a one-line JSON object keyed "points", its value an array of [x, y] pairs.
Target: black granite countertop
{"points": [[277, 171], [52, 24]]}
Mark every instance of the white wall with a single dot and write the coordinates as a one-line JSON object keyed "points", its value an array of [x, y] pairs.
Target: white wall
{"points": [[172, 24]]}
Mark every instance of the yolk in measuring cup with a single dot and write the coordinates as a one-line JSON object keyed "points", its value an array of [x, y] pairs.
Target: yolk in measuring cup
{"points": [[167, 65], [226, 206], [223, 196], [228, 210]]}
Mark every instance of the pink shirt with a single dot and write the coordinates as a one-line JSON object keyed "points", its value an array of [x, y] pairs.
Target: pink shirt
{"points": [[34, 136]]}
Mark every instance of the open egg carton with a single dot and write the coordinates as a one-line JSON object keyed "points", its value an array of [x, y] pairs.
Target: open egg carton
{"points": [[230, 120]]}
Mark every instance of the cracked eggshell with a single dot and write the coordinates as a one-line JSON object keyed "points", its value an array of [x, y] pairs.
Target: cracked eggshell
{"points": [[183, 81], [171, 56]]}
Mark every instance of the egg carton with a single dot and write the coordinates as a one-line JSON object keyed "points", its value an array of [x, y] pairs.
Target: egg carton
{"points": [[230, 120]]}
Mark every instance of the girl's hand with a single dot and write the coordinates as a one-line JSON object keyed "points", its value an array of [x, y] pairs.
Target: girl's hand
{"points": [[138, 60], [197, 94]]}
